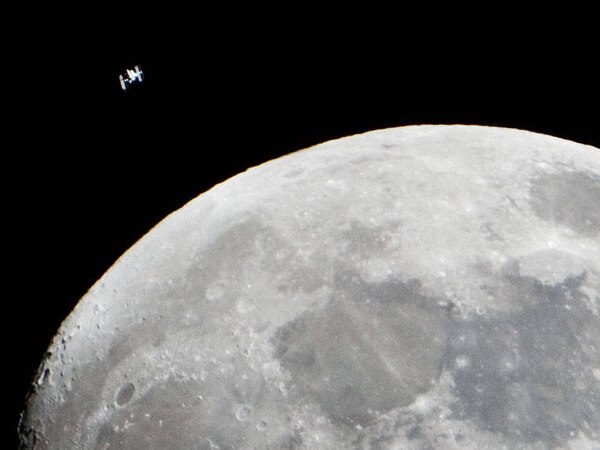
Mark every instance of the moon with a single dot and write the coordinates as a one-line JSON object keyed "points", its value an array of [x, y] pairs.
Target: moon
{"points": [[421, 287]]}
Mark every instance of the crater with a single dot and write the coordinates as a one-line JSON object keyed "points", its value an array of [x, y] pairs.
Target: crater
{"points": [[243, 413], [125, 394]]}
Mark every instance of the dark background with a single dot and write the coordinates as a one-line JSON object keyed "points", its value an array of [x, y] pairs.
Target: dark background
{"points": [[95, 168]]}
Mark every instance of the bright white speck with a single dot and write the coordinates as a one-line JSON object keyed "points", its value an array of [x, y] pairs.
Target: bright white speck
{"points": [[462, 361], [423, 404]]}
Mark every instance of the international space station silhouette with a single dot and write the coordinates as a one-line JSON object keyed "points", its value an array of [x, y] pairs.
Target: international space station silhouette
{"points": [[132, 76]]}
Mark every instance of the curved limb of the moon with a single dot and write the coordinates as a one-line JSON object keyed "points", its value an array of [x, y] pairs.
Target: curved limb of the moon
{"points": [[418, 287]]}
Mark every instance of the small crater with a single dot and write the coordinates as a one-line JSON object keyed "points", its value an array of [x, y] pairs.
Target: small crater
{"points": [[456, 311], [243, 413], [261, 426], [125, 394], [43, 377]]}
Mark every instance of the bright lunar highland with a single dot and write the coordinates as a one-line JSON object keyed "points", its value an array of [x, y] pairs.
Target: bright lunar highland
{"points": [[422, 287]]}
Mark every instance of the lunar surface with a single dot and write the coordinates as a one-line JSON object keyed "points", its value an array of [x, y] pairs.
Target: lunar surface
{"points": [[423, 287]]}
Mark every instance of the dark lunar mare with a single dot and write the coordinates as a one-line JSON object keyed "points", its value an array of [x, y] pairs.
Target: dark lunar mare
{"points": [[530, 373], [374, 347], [571, 199]]}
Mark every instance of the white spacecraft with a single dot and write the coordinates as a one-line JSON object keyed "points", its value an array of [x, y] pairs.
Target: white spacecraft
{"points": [[132, 76]]}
